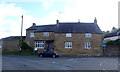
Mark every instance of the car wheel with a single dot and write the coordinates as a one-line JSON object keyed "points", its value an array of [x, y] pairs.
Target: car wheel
{"points": [[40, 55], [54, 56]]}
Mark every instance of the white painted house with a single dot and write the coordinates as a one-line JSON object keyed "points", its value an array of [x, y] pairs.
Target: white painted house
{"points": [[112, 36]]}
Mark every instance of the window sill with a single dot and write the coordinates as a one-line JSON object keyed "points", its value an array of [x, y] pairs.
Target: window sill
{"points": [[39, 47], [68, 47], [87, 48]]}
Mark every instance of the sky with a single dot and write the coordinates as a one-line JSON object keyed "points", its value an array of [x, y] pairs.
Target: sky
{"points": [[44, 12]]}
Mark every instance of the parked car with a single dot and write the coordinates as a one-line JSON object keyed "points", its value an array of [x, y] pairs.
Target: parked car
{"points": [[48, 54]]}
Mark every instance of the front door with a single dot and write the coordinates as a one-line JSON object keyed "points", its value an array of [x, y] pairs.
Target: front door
{"points": [[50, 45]]}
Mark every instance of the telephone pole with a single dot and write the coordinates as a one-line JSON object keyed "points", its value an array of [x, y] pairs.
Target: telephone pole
{"points": [[21, 33]]}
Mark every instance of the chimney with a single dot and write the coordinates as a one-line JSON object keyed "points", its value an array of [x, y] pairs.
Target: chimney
{"points": [[34, 24], [95, 21], [57, 21], [78, 20]]}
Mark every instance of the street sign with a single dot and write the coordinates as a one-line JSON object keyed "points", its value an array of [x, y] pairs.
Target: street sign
{"points": [[104, 45]]}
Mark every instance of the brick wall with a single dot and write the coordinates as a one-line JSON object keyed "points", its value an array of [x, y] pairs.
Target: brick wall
{"points": [[78, 44], [111, 50], [29, 40], [10, 45], [39, 36], [77, 40]]}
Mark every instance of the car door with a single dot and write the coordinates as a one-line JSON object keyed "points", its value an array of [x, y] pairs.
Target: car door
{"points": [[44, 53], [47, 53], [50, 53]]}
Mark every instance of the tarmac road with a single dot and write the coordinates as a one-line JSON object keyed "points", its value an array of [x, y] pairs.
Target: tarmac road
{"points": [[16, 62]]}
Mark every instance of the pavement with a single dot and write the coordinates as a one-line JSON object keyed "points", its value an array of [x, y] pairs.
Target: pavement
{"points": [[16, 62]]}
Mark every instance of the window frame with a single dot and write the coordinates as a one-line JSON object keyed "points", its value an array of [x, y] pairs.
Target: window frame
{"points": [[68, 44], [68, 34], [88, 35], [45, 33], [87, 45], [32, 34], [39, 44]]}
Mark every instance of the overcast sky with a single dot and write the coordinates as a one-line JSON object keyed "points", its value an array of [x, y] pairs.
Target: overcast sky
{"points": [[44, 12]]}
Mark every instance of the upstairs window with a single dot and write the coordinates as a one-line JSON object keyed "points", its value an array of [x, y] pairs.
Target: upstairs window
{"points": [[68, 44], [68, 35], [32, 34], [45, 33], [88, 35], [87, 45]]}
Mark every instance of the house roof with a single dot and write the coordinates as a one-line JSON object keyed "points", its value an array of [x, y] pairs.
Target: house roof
{"points": [[68, 27], [46, 28], [78, 28], [116, 33], [13, 37]]}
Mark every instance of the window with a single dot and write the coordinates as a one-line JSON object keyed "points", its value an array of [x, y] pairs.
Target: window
{"points": [[88, 35], [32, 34], [87, 45], [45, 33], [68, 44], [68, 35], [39, 44]]}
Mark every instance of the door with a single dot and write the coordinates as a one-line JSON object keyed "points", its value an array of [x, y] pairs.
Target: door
{"points": [[50, 46]]}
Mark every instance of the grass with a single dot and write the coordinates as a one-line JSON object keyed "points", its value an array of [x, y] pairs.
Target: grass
{"points": [[19, 53]]}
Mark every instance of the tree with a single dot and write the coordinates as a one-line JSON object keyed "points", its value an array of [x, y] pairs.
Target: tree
{"points": [[119, 42], [114, 29], [26, 47], [110, 42], [105, 32]]}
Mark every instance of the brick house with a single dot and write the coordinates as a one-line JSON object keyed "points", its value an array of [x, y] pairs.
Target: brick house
{"points": [[66, 38]]}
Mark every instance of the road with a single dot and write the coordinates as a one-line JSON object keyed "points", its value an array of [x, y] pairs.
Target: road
{"points": [[0, 62], [14, 62]]}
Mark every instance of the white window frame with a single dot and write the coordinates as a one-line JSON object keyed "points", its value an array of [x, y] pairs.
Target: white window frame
{"points": [[68, 34], [39, 44], [68, 44], [45, 33], [87, 45], [32, 34], [88, 35]]}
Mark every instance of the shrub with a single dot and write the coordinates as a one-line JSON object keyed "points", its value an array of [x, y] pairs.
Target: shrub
{"points": [[110, 42], [118, 42], [25, 47]]}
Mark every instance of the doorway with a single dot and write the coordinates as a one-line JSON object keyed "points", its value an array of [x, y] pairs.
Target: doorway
{"points": [[49, 46]]}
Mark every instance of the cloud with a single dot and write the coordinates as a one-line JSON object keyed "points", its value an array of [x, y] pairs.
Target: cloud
{"points": [[105, 11], [85, 10], [10, 20]]}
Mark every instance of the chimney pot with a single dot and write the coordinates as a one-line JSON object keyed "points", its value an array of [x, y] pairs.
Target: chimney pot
{"points": [[34, 24], [95, 20], [57, 21]]}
